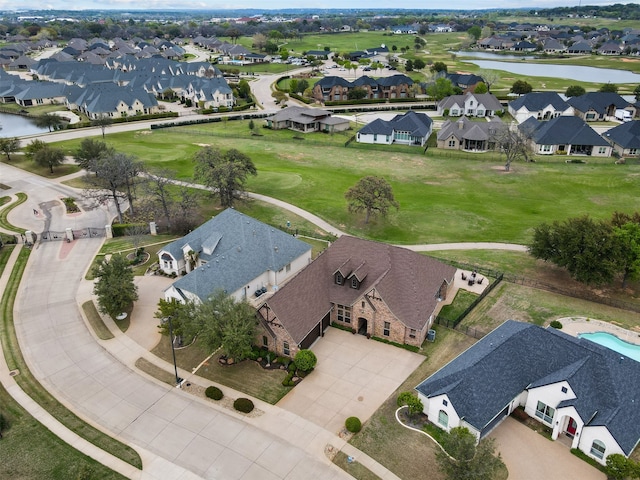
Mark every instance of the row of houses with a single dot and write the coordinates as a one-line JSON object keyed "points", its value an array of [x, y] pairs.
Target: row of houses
{"points": [[335, 89], [577, 388], [122, 86]]}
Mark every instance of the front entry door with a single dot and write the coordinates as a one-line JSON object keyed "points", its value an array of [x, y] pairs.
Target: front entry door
{"points": [[571, 428]]}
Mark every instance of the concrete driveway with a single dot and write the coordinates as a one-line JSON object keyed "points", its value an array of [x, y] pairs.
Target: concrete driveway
{"points": [[530, 456], [354, 376]]}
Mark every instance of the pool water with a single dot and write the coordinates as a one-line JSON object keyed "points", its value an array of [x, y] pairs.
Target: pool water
{"points": [[614, 343]]}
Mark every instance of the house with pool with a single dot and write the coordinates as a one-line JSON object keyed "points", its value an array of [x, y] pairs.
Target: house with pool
{"points": [[576, 387]]}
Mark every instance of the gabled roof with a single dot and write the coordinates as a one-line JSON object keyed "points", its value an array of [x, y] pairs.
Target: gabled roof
{"points": [[300, 114], [519, 356], [417, 124], [377, 127], [563, 130], [537, 101], [599, 102], [408, 283], [463, 128], [627, 135], [488, 100], [237, 249]]}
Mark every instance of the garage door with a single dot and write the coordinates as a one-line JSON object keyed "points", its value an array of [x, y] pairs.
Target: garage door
{"points": [[494, 423], [311, 336]]}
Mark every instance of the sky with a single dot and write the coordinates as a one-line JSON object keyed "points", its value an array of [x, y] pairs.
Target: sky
{"points": [[277, 4]]}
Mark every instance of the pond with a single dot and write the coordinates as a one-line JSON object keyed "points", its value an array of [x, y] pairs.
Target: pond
{"points": [[571, 72], [18, 126]]}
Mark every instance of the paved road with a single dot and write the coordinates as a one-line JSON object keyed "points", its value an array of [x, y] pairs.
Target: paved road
{"points": [[179, 436]]}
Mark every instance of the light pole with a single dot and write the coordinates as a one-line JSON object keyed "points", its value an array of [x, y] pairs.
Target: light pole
{"points": [[173, 351]]}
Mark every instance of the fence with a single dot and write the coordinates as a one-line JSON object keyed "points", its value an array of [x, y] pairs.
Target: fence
{"points": [[89, 232]]}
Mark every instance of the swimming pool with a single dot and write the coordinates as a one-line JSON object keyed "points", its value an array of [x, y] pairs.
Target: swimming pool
{"points": [[614, 343]]}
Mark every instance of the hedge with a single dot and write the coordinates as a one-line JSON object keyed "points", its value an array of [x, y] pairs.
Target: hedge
{"points": [[243, 405], [353, 424], [214, 393], [411, 348], [120, 229]]}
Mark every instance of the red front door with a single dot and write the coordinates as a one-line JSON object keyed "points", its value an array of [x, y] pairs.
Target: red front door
{"points": [[571, 428]]}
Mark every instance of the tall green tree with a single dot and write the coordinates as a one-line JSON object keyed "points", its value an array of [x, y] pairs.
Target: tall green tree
{"points": [[49, 157], [9, 145], [222, 322], [520, 87], [575, 91], [224, 172], [372, 195], [114, 286], [90, 150], [440, 88], [636, 92], [608, 87], [474, 32], [470, 461], [103, 122], [48, 120]]}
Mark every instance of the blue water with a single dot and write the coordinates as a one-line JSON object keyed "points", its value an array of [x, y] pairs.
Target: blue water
{"points": [[614, 343], [18, 126]]}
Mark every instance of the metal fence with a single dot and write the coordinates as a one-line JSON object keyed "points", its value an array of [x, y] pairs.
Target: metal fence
{"points": [[89, 232]]}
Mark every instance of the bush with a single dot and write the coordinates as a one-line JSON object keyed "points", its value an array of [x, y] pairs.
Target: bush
{"points": [[556, 324], [214, 393], [243, 405], [353, 424], [288, 380], [306, 360]]}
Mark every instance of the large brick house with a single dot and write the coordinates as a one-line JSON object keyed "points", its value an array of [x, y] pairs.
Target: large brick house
{"points": [[373, 288], [332, 89]]}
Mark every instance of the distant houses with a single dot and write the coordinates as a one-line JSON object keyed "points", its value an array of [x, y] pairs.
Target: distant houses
{"points": [[333, 89]]}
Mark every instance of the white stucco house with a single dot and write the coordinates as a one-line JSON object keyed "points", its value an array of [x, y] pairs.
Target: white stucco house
{"points": [[539, 105], [470, 105], [234, 253], [574, 386]]}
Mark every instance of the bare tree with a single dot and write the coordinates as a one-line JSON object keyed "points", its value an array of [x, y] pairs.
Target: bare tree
{"points": [[514, 143], [490, 77], [157, 187]]}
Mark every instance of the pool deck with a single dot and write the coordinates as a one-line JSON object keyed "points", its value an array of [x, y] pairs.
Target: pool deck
{"points": [[577, 325]]}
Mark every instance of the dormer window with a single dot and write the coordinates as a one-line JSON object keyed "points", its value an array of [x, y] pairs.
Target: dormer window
{"points": [[355, 283], [339, 278]]}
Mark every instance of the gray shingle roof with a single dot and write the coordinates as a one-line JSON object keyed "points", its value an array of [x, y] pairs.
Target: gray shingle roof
{"points": [[627, 135], [597, 101], [237, 249], [563, 130], [517, 356], [536, 101]]}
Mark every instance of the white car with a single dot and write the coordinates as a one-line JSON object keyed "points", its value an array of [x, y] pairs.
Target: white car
{"points": [[342, 69]]}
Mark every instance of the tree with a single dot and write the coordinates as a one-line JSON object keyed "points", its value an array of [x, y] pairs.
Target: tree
{"points": [[372, 195], [49, 157], [33, 147], [224, 172], [103, 122], [513, 143], [636, 92], [4, 424], [408, 66], [609, 87], [357, 93], [465, 459], [179, 312], [520, 87], [413, 403], [586, 248], [490, 77], [627, 238], [305, 360], [222, 322], [575, 91], [114, 286], [419, 64], [438, 67], [91, 150], [48, 120], [244, 90], [440, 88], [259, 41], [481, 87], [114, 172], [474, 32], [9, 145], [618, 466]]}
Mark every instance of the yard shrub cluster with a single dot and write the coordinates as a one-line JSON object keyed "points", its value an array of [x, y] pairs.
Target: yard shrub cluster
{"points": [[243, 405], [214, 393], [556, 324], [353, 424], [411, 348], [305, 360]]}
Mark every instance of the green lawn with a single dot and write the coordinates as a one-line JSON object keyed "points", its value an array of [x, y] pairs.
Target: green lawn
{"points": [[355, 469], [20, 161], [94, 319], [30, 451], [442, 198], [247, 376], [461, 302]]}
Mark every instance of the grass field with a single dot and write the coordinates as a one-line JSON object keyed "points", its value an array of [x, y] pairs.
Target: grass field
{"points": [[441, 199]]}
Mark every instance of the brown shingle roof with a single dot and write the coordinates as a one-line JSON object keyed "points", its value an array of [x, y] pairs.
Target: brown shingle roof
{"points": [[407, 281]]}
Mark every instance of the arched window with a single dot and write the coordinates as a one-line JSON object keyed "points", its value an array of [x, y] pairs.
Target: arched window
{"points": [[597, 449], [443, 418]]}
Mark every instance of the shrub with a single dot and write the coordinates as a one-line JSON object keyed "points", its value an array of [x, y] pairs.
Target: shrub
{"points": [[288, 380], [306, 360], [243, 405], [213, 392], [292, 367], [556, 324], [353, 424], [4, 424]]}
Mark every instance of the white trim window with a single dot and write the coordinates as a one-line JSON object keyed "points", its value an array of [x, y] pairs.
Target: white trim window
{"points": [[443, 419], [597, 449], [545, 412]]}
